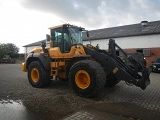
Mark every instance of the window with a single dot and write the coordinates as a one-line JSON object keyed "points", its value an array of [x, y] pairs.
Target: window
{"points": [[146, 52], [57, 36], [65, 37], [140, 50], [75, 35]]}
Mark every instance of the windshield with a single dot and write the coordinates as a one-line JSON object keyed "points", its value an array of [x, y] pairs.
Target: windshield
{"points": [[157, 60], [75, 35]]}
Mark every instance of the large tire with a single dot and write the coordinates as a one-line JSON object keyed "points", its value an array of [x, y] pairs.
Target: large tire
{"points": [[87, 78], [111, 80], [37, 75]]}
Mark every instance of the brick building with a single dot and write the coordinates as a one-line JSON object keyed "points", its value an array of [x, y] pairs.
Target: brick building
{"points": [[143, 37]]}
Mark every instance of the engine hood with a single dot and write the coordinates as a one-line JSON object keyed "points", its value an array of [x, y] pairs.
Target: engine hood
{"points": [[36, 50]]}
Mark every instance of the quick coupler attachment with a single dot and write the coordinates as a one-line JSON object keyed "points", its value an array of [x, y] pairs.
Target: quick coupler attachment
{"points": [[144, 81]]}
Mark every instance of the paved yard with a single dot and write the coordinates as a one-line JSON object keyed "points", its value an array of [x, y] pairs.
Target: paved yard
{"points": [[58, 100]]}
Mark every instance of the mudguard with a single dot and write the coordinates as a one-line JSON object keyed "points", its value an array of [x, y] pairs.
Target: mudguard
{"points": [[76, 59], [43, 58]]}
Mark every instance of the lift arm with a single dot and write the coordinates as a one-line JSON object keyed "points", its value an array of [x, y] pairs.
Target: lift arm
{"points": [[111, 62]]}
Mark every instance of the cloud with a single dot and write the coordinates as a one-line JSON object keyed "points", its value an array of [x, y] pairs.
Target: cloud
{"points": [[26, 21], [98, 13], [68, 11]]}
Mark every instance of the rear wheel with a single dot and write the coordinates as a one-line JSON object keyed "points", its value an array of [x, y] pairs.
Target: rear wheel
{"points": [[87, 78], [111, 80], [37, 75]]}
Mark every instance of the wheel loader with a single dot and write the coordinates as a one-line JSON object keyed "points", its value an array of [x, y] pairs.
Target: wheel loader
{"points": [[87, 68]]}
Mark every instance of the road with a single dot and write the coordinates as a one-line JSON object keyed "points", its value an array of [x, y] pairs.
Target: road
{"points": [[19, 100]]}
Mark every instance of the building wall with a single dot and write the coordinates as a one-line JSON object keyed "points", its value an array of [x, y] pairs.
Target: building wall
{"points": [[154, 53], [146, 41]]}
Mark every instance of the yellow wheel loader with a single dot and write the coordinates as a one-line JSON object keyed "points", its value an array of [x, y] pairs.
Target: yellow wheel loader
{"points": [[88, 69]]}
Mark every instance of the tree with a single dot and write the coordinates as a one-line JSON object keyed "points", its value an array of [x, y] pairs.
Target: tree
{"points": [[8, 49]]}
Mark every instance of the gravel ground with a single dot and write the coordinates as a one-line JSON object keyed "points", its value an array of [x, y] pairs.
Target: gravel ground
{"points": [[59, 100], [55, 101]]}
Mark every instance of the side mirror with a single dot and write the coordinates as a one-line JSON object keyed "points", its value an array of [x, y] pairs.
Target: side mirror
{"points": [[47, 37], [43, 44], [87, 33]]}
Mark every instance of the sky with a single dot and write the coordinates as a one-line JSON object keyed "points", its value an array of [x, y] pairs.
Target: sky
{"points": [[26, 21]]}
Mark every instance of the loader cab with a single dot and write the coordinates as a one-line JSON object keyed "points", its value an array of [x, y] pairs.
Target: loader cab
{"points": [[65, 36]]}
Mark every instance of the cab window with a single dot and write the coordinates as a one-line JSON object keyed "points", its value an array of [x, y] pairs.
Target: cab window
{"points": [[60, 39]]}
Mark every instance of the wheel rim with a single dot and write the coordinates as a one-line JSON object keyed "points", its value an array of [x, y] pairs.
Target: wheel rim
{"points": [[35, 75], [82, 79]]}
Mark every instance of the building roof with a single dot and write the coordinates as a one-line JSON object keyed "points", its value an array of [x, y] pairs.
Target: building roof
{"points": [[35, 43], [143, 28]]}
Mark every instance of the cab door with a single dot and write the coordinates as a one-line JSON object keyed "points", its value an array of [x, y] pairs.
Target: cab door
{"points": [[60, 39]]}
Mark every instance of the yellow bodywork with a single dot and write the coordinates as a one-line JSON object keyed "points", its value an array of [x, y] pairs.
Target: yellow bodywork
{"points": [[37, 50], [55, 52], [58, 66], [23, 67]]}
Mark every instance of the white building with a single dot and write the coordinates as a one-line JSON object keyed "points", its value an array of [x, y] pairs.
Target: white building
{"points": [[143, 37]]}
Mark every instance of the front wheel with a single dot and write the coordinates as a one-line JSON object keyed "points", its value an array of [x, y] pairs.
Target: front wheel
{"points": [[87, 78], [37, 75]]}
